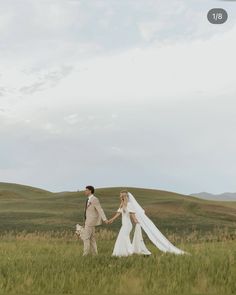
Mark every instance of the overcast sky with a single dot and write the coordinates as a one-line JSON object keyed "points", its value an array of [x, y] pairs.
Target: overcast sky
{"points": [[118, 93]]}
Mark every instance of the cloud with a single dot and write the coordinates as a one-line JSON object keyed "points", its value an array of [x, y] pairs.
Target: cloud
{"points": [[145, 74], [47, 80], [141, 93], [2, 91], [153, 74], [72, 119], [149, 29]]}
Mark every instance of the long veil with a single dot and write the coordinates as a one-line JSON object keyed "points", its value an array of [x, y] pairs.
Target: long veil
{"points": [[158, 239]]}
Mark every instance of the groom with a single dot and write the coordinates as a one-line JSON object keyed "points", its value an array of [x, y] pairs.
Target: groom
{"points": [[93, 215]]}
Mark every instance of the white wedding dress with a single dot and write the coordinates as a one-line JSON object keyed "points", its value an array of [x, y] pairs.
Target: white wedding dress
{"points": [[123, 245]]}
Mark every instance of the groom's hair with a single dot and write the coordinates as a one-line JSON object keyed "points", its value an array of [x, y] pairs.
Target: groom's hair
{"points": [[91, 188]]}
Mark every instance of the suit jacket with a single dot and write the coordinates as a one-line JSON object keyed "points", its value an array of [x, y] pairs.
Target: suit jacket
{"points": [[94, 213]]}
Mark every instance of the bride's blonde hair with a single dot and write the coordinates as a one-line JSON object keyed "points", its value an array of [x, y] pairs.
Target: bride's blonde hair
{"points": [[124, 199]]}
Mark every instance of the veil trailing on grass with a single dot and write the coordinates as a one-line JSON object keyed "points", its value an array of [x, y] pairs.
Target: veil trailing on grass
{"points": [[158, 239]]}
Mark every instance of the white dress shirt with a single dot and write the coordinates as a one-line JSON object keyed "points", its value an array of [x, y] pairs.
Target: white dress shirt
{"points": [[89, 199]]}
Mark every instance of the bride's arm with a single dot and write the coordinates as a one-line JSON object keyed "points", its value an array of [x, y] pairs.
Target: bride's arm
{"points": [[114, 217], [133, 216]]}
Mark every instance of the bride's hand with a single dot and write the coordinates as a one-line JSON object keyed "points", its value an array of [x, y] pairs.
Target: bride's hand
{"points": [[110, 221]]}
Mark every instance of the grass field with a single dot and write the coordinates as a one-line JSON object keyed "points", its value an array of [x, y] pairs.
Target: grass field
{"points": [[39, 253], [47, 263]]}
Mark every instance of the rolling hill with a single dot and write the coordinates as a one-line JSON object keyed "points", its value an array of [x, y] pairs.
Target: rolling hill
{"points": [[216, 197], [25, 208]]}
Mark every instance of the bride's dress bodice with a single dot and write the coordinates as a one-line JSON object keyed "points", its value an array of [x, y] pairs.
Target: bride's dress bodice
{"points": [[126, 220]]}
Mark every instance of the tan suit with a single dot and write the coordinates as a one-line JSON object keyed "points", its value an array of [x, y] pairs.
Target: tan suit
{"points": [[94, 217]]}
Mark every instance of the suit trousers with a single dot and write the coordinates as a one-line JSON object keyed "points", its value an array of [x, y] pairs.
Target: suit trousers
{"points": [[89, 240]]}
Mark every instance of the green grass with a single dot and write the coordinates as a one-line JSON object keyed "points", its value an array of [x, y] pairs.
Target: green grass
{"points": [[49, 264], [39, 253]]}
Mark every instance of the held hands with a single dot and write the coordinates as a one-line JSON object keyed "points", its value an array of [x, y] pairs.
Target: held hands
{"points": [[108, 221]]}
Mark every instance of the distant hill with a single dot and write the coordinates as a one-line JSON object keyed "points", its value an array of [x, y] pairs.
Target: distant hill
{"points": [[32, 209], [219, 197]]}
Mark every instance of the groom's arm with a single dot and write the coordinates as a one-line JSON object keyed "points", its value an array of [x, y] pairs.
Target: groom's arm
{"points": [[98, 207]]}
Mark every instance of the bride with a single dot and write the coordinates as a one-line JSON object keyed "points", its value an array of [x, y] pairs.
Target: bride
{"points": [[129, 208]]}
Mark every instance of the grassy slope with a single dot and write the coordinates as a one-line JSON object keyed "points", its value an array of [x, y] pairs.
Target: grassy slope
{"points": [[30, 209]]}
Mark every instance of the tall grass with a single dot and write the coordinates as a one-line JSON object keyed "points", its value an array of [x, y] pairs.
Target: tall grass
{"points": [[52, 263]]}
